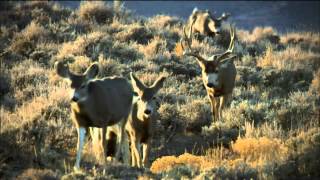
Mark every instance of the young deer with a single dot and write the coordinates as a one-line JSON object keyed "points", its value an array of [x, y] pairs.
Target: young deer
{"points": [[97, 103], [218, 74], [141, 122]]}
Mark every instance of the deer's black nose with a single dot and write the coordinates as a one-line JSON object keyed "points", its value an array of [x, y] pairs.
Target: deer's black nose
{"points": [[74, 99], [147, 111], [210, 85]]}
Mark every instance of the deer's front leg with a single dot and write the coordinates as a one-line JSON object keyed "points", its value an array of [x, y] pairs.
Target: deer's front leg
{"points": [[146, 151], [103, 141], [223, 102], [214, 108], [135, 148], [81, 136]]}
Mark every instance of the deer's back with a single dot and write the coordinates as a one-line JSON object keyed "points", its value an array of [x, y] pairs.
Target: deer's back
{"points": [[109, 101]]}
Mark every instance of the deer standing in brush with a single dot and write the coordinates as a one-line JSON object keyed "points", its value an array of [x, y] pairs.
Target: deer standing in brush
{"points": [[141, 122], [218, 74], [204, 23], [97, 103]]}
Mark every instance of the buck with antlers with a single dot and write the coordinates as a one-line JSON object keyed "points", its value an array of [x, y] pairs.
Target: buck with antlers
{"points": [[218, 73], [204, 23], [97, 103]]}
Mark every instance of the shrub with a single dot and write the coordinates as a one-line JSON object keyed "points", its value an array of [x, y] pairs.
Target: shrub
{"points": [[260, 151], [26, 73], [258, 34], [97, 11], [298, 110], [163, 21], [305, 150], [307, 40], [134, 32], [123, 52], [180, 172], [22, 13], [196, 114], [4, 81], [291, 58], [155, 46], [170, 118], [38, 174], [315, 84], [236, 170], [111, 67], [25, 42], [83, 45], [166, 163]]}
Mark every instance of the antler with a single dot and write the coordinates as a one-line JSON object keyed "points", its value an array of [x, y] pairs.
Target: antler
{"points": [[189, 42], [230, 49], [194, 53]]}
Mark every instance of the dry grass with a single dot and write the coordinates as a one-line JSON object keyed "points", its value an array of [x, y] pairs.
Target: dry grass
{"points": [[305, 39], [269, 131], [134, 32], [245, 153], [168, 162], [24, 42], [36, 174], [163, 21], [155, 46], [291, 58], [315, 84], [258, 34], [260, 151], [80, 45]]}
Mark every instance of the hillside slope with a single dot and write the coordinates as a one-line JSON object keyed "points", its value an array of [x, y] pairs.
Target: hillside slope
{"points": [[269, 131]]}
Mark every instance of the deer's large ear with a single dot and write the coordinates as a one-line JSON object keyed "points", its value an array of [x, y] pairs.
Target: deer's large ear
{"points": [[92, 71], [137, 85], [157, 85], [62, 69]]}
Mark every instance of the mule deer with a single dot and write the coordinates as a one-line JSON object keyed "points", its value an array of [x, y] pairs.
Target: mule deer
{"points": [[141, 122], [97, 103], [205, 23], [218, 74]]}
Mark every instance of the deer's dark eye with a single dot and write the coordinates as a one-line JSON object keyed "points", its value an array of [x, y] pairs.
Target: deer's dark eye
{"points": [[154, 98], [82, 86]]}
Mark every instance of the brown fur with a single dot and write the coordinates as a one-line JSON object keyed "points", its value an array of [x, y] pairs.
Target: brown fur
{"points": [[218, 75], [205, 23], [221, 94], [139, 125], [97, 102]]}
